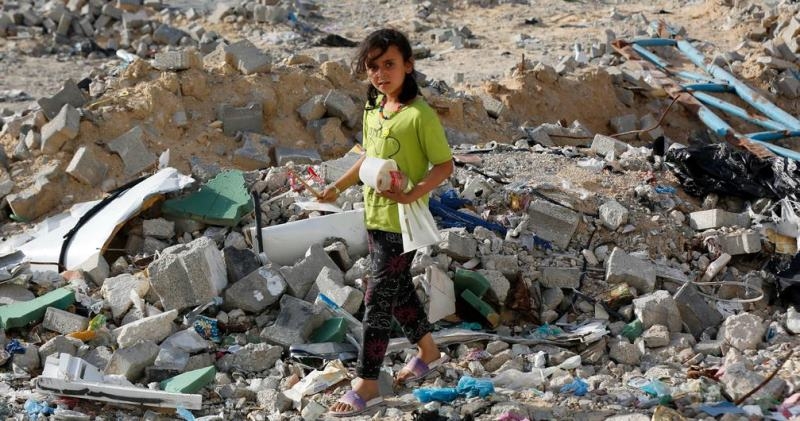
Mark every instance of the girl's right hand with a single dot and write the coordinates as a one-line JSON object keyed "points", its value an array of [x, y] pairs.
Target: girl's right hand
{"points": [[330, 194]]}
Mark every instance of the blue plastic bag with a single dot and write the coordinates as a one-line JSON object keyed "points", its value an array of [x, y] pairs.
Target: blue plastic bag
{"points": [[438, 394], [34, 409], [578, 387], [472, 387]]}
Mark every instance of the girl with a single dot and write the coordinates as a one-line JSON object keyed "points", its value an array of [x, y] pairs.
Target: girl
{"points": [[399, 125]]}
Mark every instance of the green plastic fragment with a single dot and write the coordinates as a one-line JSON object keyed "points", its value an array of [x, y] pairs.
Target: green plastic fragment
{"points": [[24, 313], [191, 381], [224, 200]]}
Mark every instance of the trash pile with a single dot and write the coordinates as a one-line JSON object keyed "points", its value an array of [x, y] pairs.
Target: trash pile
{"points": [[167, 258]]}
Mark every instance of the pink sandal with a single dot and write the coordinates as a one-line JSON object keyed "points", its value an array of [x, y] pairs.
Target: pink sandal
{"points": [[356, 402], [419, 369]]}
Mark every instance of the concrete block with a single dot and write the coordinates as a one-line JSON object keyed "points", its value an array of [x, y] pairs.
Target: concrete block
{"points": [[331, 140], [116, 292], [696, 313], [499, 283], [21, 314], [256, 291], [552, 222], [246, 57], [59, 344], [64, 322], [69, 94], [28, 362], [255, 152], [173, 60], [788, 85], [742, 331], [113, 12], [239, 262], [168, 35], [742, 243], [717, 218], [37, 200], [624, 352], [604, 145], [133, 151], [302, 275], [132, 361], [284, 155], [508, 265], [613, 214], [131, 22], [242, 119], [187, 275], [87, 166], [63, 127], [251, 358], [339, 104], [658, 308], [494, 108], [295, 323], [560, 277], [330, 282], [64, 24], [458, 244], [313, 109], [154, 328], [624, 123], [623, 268], [158, 228]]}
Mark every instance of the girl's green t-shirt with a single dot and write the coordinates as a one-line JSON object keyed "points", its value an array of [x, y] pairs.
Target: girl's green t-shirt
{"points": [[415, 139]]}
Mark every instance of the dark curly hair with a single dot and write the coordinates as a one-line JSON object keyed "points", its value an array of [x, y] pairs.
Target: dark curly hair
{"points": [[381, 40]]}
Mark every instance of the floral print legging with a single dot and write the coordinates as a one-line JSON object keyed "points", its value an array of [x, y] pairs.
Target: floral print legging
{"points": [[390, 293]]}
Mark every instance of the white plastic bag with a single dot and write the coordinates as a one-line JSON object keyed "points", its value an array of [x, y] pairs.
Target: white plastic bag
{"points": [[418, 227]]}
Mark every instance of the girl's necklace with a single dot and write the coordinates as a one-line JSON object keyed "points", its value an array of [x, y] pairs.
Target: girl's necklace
{"points": [[384, 116]]}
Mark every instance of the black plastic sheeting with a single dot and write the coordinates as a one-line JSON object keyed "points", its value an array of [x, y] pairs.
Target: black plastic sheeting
{"points": [[720, 168]]}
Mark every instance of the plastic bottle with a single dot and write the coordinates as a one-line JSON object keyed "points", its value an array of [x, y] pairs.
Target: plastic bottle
{"points": [[716, 266]]}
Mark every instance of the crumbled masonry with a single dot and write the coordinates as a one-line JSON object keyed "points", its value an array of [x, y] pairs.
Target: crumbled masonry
{"points": [[576, 272]]}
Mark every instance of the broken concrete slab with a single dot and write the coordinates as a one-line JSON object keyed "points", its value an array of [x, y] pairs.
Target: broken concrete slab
{"points": [[70, 94], [458, 244], [696, 313], [64, 322], [251, 358], [224, 200], [741, 243], [88, 166], [246, 57], [742, 331], [131, 361], [613, 214], [339, 104], [133, 151], [604, 145], [154, 328], [117, 291], [61, 128], [295, 323], [560, 277], [188, 275], [256, 291], [255, 153], [173, 60], [552, 222], [623, 268], [330, 282], [284, 155], [22, 314], [301, 276], [658, 308]]}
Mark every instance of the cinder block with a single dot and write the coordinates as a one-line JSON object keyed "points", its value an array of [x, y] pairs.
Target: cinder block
{"points": [[458, 244], [552, 222], [251, 358], [558, 277], [295, 323], [604, 145], [313, 109], [242, 119], [154, 328], [717, 218], [187, 275], [173, 60], [133, 151], [96, 267], [22, 314], [87, 166], [131, 362], [256, 291], [111, 11], [330, 282], [246, 57], [743, 243], [339, 104], [63, 127], [302, 275], [623, 268], [64, 322]]}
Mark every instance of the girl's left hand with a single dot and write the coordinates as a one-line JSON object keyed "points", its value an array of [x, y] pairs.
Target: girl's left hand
{"points": [[397, 195]]}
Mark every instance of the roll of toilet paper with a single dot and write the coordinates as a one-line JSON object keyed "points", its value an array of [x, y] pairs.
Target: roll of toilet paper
{"points": [[376, 172]]}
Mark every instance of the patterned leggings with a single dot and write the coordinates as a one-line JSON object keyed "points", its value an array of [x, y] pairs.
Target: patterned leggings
{"points": [[389, 293]]}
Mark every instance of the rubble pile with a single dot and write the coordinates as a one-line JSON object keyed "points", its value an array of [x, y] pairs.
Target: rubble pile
{"points": [[583, 269]]}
